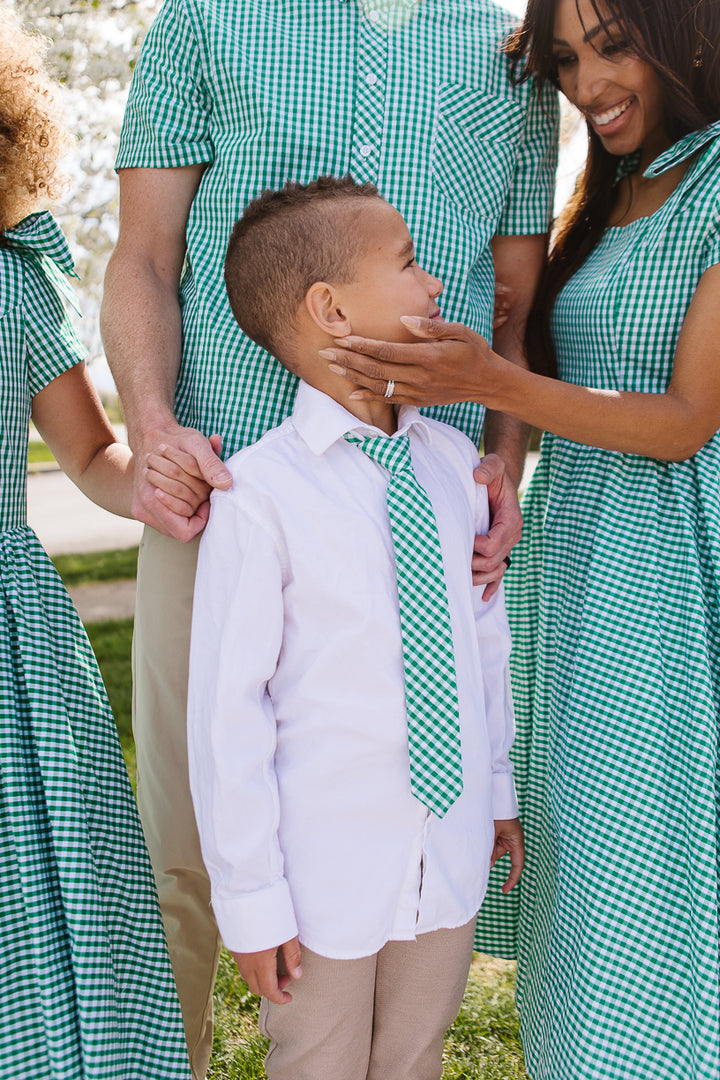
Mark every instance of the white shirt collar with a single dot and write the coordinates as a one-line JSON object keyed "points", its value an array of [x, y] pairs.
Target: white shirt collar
{"points": [[320, 420]]}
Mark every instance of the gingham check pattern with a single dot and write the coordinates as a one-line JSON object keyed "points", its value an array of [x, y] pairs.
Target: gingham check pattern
{"points": [[614, 605], [267, 91], [430, 686], [87, 991]]}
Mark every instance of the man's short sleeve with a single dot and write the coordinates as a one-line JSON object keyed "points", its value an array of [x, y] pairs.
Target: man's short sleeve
{"points": [[529, 205], [166, 121]]}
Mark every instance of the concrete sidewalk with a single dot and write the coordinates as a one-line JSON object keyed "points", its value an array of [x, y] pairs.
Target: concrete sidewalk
{"points": [[68, 523]]}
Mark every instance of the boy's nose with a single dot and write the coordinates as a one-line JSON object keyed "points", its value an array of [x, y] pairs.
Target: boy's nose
{"points": [[435, 285]]}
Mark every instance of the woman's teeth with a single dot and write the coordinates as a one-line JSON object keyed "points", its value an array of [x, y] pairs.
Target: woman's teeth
{"points": [[603, 119]]}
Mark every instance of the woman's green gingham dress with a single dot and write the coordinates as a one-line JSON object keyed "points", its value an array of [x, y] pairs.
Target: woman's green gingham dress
{"points": [[614, 602], [86, 989]]}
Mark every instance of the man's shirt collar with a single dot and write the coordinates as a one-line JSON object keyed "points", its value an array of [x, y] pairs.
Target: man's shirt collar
{"points": [[320, 420]]}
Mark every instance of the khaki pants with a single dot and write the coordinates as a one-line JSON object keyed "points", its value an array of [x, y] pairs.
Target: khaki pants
{"points": [[383, 1017], [166, 575]]}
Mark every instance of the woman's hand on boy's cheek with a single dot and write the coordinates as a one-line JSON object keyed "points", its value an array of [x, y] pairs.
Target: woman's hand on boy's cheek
{"points": [[177, 479], [509, 838], [491, 557], [269, 971]]}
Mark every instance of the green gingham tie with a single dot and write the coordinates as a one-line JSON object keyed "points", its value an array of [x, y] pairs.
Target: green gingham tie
{"points": [[430, 686]]}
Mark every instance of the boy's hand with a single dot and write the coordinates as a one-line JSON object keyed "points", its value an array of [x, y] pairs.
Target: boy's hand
{"points": [[509, 837], [269, 971], [177, 479]]}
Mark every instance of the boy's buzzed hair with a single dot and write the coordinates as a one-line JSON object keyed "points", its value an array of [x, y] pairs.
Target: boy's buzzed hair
{"points": [[285, 241]]}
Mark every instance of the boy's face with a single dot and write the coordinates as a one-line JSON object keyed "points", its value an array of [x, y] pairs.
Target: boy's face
{"points": [[388, 282]]}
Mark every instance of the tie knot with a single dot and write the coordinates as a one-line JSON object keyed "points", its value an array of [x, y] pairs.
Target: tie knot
{"points": [[393, 454]]}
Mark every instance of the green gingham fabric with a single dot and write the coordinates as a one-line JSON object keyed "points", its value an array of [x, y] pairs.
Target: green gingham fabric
{"points": [[430, 685], [416, 98], [614, 606], [86, 991]]}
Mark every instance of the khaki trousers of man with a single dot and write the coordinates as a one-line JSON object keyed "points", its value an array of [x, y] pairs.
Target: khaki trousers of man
{"points": [[161, 643], [383, 1017]]}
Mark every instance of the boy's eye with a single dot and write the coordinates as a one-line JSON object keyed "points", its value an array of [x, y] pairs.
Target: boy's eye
{"points": [[410, 262]]}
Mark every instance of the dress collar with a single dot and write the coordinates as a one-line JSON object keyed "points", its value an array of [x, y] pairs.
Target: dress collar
{"points": [[40, 234], [321, 421], [680, 151], [683, 149]]}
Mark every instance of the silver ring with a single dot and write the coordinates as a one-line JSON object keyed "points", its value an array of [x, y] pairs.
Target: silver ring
{"points": [[390, 388]]}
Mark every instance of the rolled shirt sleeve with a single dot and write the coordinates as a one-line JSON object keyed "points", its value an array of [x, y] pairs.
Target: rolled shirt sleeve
{"points": [[167, 119], [529, 205]]}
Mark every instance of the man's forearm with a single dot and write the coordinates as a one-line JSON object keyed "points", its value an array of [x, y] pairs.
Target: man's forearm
{"points": [[505, 435], [518, 264], [141, 329], [508, 438]]}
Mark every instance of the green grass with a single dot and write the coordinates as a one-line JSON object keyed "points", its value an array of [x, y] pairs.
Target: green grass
{"points": [[97, 566], [38, 452], [483, 1043], [111, 641], [238, 1046]]}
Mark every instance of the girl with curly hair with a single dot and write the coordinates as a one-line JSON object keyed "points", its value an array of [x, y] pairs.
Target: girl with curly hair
{"points": [[87, 992]]}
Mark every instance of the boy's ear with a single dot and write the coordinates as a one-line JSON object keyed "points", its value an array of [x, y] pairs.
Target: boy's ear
{"points": [[327, 310]]}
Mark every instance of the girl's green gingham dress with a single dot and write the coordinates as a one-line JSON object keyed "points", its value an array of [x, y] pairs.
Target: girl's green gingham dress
{"points": [[614, 602], [86, 989]]}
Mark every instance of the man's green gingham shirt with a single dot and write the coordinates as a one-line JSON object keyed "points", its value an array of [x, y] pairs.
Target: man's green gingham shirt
{"points": [[421, 103]]}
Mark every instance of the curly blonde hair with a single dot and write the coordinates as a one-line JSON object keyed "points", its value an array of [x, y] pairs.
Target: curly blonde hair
{"points": [[31, 135]]}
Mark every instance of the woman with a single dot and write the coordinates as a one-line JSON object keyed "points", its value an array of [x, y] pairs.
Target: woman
{"points": [[615, 588], [86, 987]]}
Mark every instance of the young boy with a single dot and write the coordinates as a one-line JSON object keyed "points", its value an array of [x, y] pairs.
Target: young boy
{"points": [[349, 710]]}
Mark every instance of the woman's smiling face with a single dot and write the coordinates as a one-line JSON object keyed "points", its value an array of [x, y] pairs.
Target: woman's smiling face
{"points": [[618, 93]]}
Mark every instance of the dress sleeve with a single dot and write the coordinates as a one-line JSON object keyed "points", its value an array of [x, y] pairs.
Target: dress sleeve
{"points": [[166, 122], [237, 633], [529, 206], [711, 254], [51, 343]]}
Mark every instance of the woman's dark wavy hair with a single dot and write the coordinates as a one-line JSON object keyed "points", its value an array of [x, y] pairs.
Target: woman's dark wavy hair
{"points": [[680, 40]]}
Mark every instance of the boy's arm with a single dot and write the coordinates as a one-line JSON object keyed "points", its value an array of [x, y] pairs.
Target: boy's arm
{"points": [[236, 640], [493, 636]]}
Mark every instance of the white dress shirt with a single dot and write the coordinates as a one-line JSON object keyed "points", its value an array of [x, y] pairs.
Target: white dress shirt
{"points": [[298, 742]]}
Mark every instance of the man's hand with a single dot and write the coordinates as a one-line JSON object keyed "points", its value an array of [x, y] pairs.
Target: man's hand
{"points": [[268, 972], [491, 551], [186, 465], [509, 838]]}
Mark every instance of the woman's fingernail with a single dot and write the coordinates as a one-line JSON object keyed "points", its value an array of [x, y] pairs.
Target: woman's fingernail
{"points": [[336, 369], [410, 321], [328, 354]]}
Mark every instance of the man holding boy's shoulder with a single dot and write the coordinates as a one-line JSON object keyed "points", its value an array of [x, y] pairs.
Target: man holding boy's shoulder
{"points": [[350, 776], [228, 99]]}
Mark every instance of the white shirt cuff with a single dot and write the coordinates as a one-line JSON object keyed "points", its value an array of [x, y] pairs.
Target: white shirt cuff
{"points": [[504, 800], [250, 922]]}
